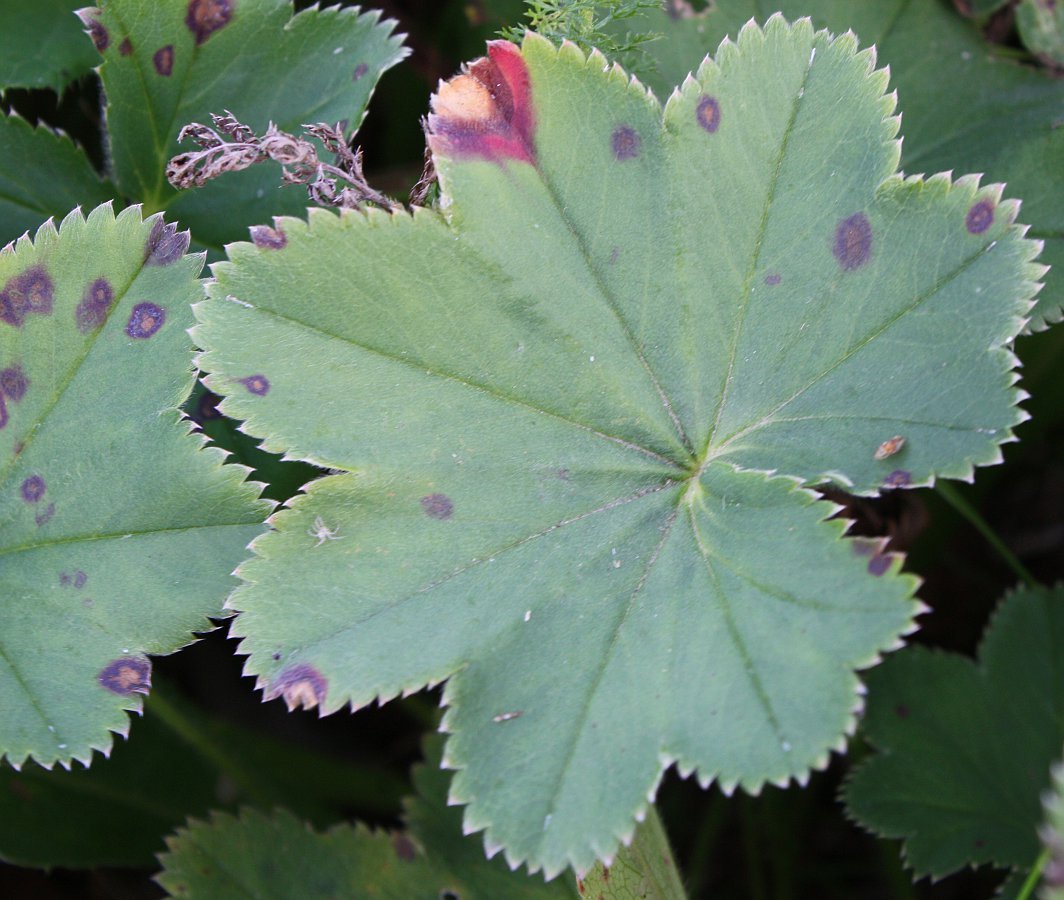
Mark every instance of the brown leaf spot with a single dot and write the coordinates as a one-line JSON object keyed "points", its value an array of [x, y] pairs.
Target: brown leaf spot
{"points": [[207, 408], [163, 60], [259, 385], [13, 383], [980, 217], [33, 489], [853, 242], [165, 244], [126, 675], [300, 686], [708, 113], [205, 17], [145, 320], [625, 142], [126, 47], [268, 238], [100, 38], [437, 506], [95, 303]]}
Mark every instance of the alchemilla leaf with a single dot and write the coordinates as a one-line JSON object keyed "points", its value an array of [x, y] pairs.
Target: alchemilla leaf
{"points": [[576, 414], [965, 748], [117, 533]]}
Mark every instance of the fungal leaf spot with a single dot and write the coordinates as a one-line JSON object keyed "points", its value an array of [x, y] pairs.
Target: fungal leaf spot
{"points": [[95, 304], [268, 238], [33, 489], [300, 686], [853, 242], [980, 217], [889, 447], [486, 111], [879, 564], [708, 113], [30, 292], [100, 37], [405, 848], [204, 17], [126, 47], [13, 383], [165, 244], [360, 70], [625, 143], [898, 478], [163, 60], [126, 675], [773, 279], [259, 385], [145, 320], [437, 506], [45, 515]]}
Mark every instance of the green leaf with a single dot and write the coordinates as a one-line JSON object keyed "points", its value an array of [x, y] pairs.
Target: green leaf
{"points": [[42, 45], [174, 62], [116, 536], [966, 109], [1041, 26], [280, 857], [45, 175], [965, 747], [574, 414], [177, 763]]}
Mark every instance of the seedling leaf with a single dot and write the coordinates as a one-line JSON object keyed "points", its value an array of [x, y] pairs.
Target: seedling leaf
{"points": [[116, 536], [185, 59], [574, 415], [965, 748]]}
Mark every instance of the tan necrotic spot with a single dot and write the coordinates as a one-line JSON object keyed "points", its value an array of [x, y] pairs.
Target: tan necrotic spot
{"points": [[300, 686], [464, 99], [126, 675]]}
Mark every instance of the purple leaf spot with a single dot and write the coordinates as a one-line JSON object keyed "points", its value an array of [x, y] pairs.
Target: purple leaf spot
{"points": [[126, 47], [145, 320], [708, 113], [437, 506], [33, 489], [94, 306], [360, 70], [205, 17], [64, 579], [126, 675], [898, 478], [853, 242], [13, 383], [46, 516], [879, 564], [980, 217], [773, 279], [165, 244], [30, 292], [405, 848], [100, 38], [268, 238], [625, 142], [163, 60], [79, 579], [3, 413], [615, 254], [300, 686], [259, 385], [901, 711]]}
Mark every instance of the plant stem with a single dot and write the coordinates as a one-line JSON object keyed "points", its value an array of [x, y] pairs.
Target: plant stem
{"points": [[645, 868], [1034, 876], [953, 497]]}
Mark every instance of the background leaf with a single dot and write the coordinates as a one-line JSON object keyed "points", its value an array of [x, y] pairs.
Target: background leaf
{"points": [[280, 857], [176, 62], [42, 45], [558, 408], [116, 536], [965, 748], [1041, 26], [45, 175], [967, 108]]}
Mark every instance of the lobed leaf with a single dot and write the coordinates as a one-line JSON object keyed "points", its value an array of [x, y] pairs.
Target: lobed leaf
{"points": [[574, 415], [42, 45], [45, 175], [173, 62], [965, 748], [280, 857], [116, 536]]}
